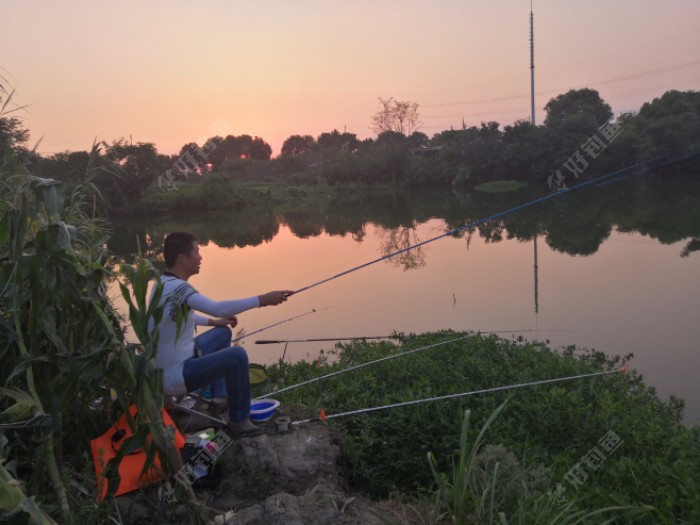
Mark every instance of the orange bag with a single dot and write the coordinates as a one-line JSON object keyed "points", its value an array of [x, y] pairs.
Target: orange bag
{"points": [[105, 447]]}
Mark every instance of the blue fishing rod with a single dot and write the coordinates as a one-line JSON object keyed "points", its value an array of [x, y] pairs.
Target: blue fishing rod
{"points": [[608, 178]]}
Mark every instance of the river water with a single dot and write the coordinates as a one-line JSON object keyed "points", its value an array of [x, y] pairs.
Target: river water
{"points": [[616, 269]]}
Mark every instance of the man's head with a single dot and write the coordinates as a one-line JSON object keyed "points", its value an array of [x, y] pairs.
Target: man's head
{"points": [[181, 252]]}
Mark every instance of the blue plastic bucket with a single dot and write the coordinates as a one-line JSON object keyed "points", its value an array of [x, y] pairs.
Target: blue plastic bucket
{"points": [[263, 409]]}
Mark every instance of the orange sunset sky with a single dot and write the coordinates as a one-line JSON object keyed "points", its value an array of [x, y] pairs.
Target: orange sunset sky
{"points": [[172, 72]]}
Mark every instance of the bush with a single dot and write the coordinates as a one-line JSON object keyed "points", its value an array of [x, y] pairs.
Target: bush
{"points": [[552, 425]]}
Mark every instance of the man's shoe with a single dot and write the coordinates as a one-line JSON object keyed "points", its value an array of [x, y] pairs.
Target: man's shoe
{"points": [[244, 428], [218, 404]]}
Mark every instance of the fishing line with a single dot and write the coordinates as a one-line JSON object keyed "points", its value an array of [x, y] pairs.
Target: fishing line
{"points": [[278, 341], [275, 324], [361, 365], [527, 330], [324, 417], [471, 225], [398, 337]]}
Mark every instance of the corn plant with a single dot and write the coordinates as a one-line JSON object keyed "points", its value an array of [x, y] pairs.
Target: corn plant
{"points": [[60, 339], [14, 503], [139, 380]]}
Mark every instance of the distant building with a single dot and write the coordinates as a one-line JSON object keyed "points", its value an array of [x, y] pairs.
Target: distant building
{"points": [[432, 151]]}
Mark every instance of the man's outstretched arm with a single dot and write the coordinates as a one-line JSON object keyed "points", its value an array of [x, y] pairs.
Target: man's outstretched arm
{"points": [[230, 308]]}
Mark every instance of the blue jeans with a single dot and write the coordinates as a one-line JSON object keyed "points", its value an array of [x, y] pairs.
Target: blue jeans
{"points": [[223, 366]]}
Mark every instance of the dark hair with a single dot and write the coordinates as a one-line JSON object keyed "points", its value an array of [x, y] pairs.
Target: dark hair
{"points": [[177, 243]]}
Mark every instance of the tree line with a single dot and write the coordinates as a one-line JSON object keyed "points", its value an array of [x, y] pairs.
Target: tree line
{"points": [[580, 137]]}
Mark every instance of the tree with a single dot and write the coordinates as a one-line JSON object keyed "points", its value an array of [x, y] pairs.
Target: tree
{"points": [[253, 148], [388, 139], [69, 166], [478, 150], [259, 149], [399, 116], [669, 124], [575, 105], [685, 104], [572, 118], [240, 147], [140, 163], [298, 145], [418, 139], [191, 159], [526, 153], [335, 140], [245, 142], [13, 136]]}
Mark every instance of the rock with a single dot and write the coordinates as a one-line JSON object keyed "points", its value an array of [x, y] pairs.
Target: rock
{"points": [[256, 468], [271, 479], [145, 507], [324, 516], [250, 516], [280, 509]]}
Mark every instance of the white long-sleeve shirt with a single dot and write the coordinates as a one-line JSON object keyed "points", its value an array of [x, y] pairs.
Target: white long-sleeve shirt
{"points": [[181, 301]]}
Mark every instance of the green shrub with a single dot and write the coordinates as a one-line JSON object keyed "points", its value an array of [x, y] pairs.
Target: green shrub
{"points": [[552, 425]]}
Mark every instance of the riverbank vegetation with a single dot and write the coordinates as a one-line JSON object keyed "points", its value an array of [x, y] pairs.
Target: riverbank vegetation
{"points": [[583, 445], [580, 138]]}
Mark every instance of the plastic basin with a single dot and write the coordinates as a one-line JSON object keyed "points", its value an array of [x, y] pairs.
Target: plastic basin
{"points": [[263, 409]]}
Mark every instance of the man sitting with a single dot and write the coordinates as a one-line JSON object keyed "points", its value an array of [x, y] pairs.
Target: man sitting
{"points": [[217, 363]]}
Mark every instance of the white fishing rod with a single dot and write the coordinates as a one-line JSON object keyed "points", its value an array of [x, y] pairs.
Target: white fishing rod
{"points": [[244, 336], [323, 417], [361, 365], [397, 337], [322, 339]]}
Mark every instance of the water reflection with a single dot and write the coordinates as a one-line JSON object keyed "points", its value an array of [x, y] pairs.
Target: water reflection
{"points": [[393, 240], [662, 207]]}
